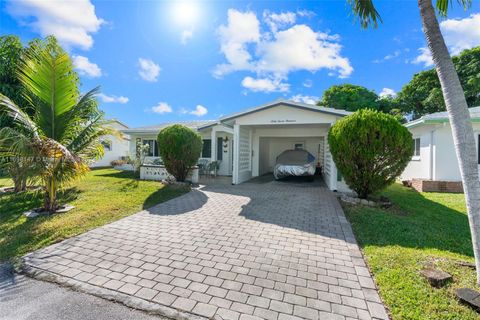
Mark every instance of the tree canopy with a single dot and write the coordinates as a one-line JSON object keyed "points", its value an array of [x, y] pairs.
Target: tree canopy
{"points": [[349, 97], [423, 94]]}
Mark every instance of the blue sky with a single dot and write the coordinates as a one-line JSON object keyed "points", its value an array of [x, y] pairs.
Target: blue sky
{"points": [[162, 61]]}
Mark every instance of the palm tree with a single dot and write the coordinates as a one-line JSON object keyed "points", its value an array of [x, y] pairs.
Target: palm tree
{"points": [[61, 136], [455, 102]]}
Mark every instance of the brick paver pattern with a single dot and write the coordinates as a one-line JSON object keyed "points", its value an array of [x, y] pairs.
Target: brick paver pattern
{"points": [[271, 250]]}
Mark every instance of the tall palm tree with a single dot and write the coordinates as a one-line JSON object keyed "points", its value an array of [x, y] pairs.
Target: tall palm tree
{"points": [[61, 136], [455, 102]]}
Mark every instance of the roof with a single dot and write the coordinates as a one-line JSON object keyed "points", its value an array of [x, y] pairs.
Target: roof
{"points": [[291, 103], [118, 121], [156, 128], [441, 117]]}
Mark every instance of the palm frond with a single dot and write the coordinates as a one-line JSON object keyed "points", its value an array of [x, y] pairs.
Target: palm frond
{"points": [[443, 5], [47, 75], [366, 12], [20, 120]]}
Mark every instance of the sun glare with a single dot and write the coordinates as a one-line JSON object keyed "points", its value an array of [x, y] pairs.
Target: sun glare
{"points": [[185, 12]]}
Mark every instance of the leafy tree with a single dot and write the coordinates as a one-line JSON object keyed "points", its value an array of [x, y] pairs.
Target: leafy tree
{"points": [[63, 134], [455, 102], [180, 149], [371, 149], [349, 97], [423, 94], [11, 51]]}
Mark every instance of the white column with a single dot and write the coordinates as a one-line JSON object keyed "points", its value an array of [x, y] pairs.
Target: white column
{"points": [[214, 145], [236, 151]]}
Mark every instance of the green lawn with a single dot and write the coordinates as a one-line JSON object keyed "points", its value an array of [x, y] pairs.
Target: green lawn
{"points": [[422, 229], [103, 196]]}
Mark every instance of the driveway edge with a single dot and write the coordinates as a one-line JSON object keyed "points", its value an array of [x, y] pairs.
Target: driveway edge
{"points": [[107, 294]]}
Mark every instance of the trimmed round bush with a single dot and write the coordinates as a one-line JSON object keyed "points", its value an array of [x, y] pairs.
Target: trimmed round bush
{"points": [[370, 149], [180, 149]]}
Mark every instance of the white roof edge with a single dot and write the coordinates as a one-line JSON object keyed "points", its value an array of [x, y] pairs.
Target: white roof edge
{"points": [[119, 122], [316, 108]]}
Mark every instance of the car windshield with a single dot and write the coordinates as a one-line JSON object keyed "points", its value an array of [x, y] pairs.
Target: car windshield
{"points": [[293, 157]]}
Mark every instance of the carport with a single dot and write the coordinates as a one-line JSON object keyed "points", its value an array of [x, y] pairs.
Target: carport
{"points": [[262, 133]]}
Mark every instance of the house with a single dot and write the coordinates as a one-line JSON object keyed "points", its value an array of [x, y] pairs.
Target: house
{"points": [[434, 164], [116, 147], [247, 143]]}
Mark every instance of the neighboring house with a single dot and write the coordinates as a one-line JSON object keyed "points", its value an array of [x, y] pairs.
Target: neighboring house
{"points": [[247, 143], [434, 164], [116, 146]]}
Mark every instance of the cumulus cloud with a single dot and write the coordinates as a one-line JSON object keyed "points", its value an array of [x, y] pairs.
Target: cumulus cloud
{"points": [[72, 22], [199, 111], [459, 35], [161, 108], [264, 85], [186, 36], [425, 57], [279, 20], [387, 92], [86, 67], [305, 99], [113, 99], [289, 47], [149, 70]]}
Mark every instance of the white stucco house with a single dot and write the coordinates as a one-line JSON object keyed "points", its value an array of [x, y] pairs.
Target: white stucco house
{"points": [[116, 147], [247, 143], [434, 164]]}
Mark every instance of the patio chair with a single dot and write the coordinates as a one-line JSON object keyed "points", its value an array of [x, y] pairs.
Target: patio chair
{"points": [[202, 166], [213, 168]]}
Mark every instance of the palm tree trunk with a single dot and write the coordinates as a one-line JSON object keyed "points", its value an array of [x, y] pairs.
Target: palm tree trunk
{"points": [[459, 115], [50, 203]]}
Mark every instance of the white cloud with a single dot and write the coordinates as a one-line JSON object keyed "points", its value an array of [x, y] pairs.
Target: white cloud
{"points": [[72, 22], [282, 51], [265, 85], [199, 111], [387, 92], [305, 99], [161, 108], [390, 56], [113, 99], [307, 83], [242, 29], [461, 34], [424, 58], [279, 20], [186, 35], [86, 67], [149, 70]]}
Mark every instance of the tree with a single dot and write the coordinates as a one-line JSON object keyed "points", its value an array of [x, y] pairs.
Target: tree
{"points": [[423, 94], [349, 97], [63, 134], [180, 149], [370, 149], [455, 102]]}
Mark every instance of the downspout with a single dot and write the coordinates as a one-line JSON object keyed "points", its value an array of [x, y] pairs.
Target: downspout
{"points": [[432, 155]]}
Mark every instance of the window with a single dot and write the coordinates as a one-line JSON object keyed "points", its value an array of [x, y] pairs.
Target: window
{"points": [[152, 148], [107, 145], [207, 148], [220, 149], [416, 147], [298, 145]]}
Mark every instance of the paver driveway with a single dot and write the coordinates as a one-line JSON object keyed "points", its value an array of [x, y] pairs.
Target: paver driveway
{"points": [[268, 250]]}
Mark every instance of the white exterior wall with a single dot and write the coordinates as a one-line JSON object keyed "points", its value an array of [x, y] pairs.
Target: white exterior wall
{"points": [[119, 147], [422, 167], [438, 160]]}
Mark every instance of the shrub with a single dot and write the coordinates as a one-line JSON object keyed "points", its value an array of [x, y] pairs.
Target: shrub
{"points": [[118, 162], [370, 149], [179, 148]]}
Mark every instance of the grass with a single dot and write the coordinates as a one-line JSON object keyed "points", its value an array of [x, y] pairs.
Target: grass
{"points": [[103, 196], [423, 229]]}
